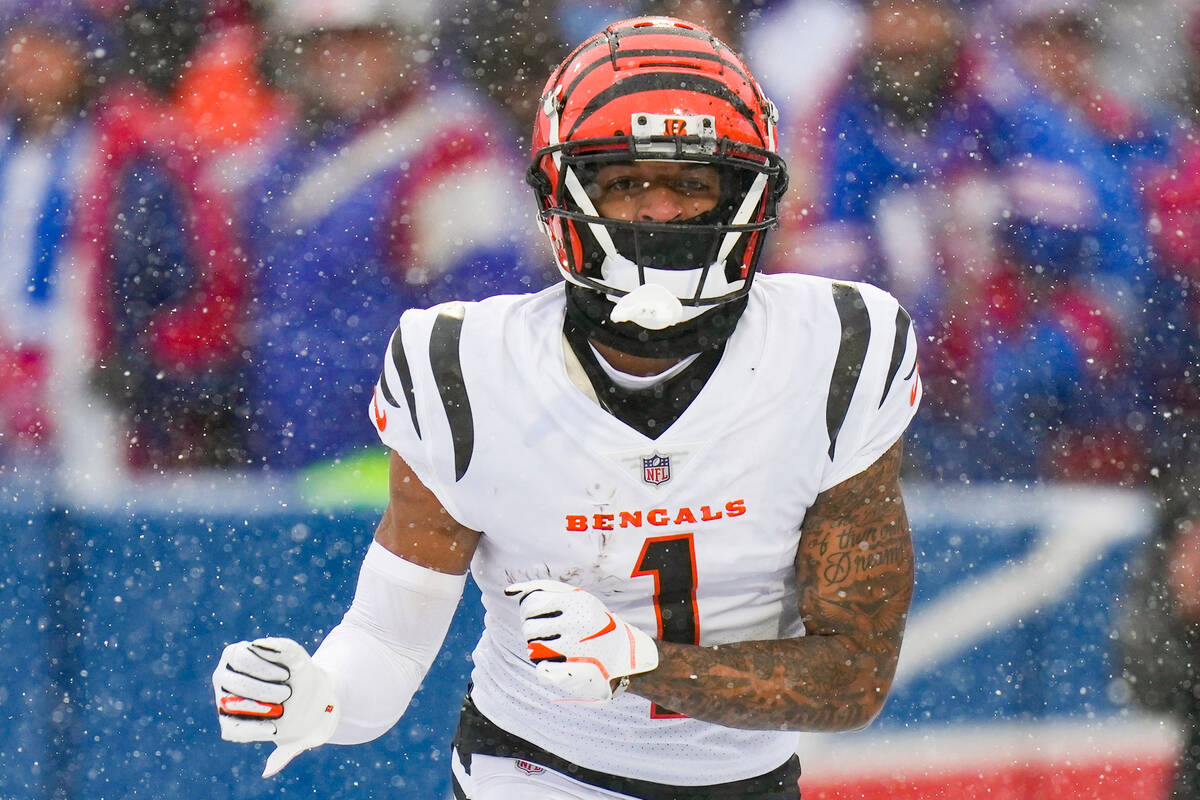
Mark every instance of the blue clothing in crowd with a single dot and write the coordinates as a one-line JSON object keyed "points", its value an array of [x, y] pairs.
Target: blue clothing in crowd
{"points": [[1068, 215], [349, 226]]}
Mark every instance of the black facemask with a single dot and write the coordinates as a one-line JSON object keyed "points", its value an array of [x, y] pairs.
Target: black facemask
{"points": [[692, 244], [683, 248], [589, 311]]}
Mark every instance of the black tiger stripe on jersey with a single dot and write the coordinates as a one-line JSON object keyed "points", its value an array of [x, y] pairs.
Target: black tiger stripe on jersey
{"points": [[852, 351], [899, 344], [660, 81], [445, 361], [387, 390], [400, 362]]}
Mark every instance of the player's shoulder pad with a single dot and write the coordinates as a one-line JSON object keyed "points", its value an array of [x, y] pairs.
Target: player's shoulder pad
{"points": [[876, 344]]}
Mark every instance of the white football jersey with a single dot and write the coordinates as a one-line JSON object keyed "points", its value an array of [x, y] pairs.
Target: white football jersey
{"points": [[690, 536]]}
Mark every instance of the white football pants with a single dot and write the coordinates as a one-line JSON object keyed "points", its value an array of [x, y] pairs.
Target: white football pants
{"points": [[495, 778]]}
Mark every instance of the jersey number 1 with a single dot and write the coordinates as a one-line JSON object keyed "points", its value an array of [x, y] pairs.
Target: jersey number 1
{"points": [[671, 561]]}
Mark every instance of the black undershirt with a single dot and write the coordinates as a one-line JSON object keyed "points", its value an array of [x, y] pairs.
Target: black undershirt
{"points": [[652, 410]]}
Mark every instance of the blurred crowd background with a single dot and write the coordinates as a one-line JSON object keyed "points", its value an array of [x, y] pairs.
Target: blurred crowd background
{"points": [[213, 213]]}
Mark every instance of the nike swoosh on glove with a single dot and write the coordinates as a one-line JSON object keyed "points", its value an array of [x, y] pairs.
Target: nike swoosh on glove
{"points": [[269, 690], [577, 644]]}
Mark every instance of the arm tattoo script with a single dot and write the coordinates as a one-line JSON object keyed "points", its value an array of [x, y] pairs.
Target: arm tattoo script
{"points": [[854, 569]]}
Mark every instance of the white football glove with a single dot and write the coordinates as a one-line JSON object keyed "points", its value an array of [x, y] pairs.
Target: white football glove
{"points": [[576, 643], [269, 690]]}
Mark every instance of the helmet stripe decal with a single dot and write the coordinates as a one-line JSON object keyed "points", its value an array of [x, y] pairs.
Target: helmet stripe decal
{"points": [[583, 48], [657, 82], [670, 53], [662, 30], [657, 53]]}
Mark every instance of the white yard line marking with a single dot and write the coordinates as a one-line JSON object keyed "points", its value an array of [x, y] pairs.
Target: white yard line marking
{"points": [[1076, 527]]}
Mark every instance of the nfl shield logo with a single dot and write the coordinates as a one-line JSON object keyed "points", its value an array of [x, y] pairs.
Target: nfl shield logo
{"points": [[656, 469], [529, 768]]}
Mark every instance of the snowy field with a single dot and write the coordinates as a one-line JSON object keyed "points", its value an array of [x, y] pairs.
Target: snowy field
{"points": [[1006, 687]]}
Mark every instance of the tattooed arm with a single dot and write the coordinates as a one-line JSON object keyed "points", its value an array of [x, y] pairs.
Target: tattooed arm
{"points": [[854, 569]]}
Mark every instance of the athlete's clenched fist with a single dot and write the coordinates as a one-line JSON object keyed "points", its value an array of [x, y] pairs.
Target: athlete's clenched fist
{"points": [[269, 690], [576, 643]]}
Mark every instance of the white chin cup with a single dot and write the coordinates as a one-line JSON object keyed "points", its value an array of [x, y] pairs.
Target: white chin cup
{"points": [[649, 306], [656, 304]]}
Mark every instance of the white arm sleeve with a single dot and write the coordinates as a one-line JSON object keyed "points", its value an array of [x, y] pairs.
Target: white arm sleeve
{"points": [[379, 653]]}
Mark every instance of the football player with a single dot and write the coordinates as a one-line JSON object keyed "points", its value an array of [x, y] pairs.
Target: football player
{"points": [[676, 484]]}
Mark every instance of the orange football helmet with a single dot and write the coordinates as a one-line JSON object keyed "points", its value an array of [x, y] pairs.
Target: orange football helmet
{"points": [[660, 89]]}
